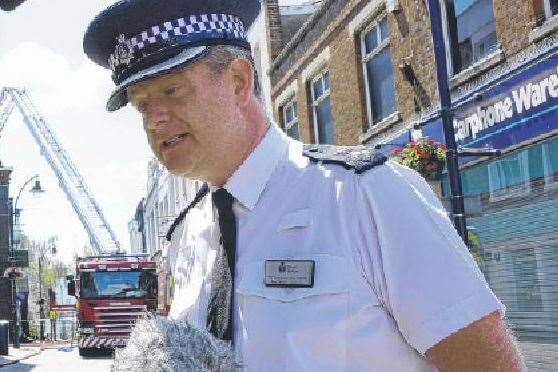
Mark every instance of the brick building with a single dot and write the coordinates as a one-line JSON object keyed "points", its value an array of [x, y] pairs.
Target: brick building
{"points": [[363, 72]]}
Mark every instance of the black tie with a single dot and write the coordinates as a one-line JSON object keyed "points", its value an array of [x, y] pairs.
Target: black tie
{"points": [[220, 308]]}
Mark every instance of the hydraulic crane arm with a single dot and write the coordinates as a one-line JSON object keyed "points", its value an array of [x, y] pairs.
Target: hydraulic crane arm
{"points": [[6, 108], [101, 235]]}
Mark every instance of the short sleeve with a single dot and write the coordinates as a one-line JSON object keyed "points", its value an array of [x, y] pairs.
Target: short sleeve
{"points": [[429, 281]]}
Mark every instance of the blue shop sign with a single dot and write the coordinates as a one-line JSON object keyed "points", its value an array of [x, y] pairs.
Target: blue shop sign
{"points": [[434, 130], [521, 107]]}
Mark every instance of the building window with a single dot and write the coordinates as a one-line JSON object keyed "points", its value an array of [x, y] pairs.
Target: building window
{"points": [[378, 73], [550, 8], [321, 106], [525, 271], [153, 232], [290, 119], [550, 163], [509, 177], [471, 31]]}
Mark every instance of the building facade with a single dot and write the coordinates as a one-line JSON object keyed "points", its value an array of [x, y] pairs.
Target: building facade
{"points": [[167, 195], [363, 72], [275, 22], [6, 295], [136, 228], [151, 207], [6, 218]]}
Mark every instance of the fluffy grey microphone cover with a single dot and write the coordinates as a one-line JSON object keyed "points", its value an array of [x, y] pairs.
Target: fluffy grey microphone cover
{"points": [[163, 345]]}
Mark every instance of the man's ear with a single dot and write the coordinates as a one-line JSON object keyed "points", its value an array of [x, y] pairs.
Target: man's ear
{"points": [[242, 74]]}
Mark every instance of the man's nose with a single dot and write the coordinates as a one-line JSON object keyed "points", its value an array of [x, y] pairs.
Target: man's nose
{"points": [[157, 115]]}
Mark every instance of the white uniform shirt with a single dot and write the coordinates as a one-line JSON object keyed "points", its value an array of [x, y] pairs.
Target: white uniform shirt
{"points": [[392, 277]]}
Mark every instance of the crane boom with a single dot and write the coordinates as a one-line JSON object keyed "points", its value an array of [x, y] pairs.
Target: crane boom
{"points": [[6, 108], [101, 235]]}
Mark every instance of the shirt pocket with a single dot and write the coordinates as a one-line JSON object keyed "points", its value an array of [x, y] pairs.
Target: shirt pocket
{"points": [[297, 219], [302, 329]]}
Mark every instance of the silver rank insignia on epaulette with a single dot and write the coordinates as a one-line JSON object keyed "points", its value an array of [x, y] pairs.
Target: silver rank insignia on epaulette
{"points": [[358, 158]]}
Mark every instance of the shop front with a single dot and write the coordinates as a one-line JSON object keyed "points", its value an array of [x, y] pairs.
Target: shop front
{"points": [[511, 200]]}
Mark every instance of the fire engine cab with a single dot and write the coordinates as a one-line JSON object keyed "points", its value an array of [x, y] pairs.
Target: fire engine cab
{"points": [[112, 292]]}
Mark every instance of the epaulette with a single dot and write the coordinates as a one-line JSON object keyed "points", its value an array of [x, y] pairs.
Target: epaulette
{"points": [[358, 158]]}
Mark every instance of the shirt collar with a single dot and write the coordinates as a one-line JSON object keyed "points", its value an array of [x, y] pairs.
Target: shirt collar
{"points": [[250, 179]]}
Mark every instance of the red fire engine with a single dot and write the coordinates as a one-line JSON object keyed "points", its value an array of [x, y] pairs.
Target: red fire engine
{"points": [[112, 292]]}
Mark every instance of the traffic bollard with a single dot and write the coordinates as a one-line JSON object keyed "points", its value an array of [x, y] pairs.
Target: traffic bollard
{"points": [[4, 336]]}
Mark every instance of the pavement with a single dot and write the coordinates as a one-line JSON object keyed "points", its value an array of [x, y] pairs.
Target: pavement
{"points": [[540, 357], [29, 350], [15, 355]]}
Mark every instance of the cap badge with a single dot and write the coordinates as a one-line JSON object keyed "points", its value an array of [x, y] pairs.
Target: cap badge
{"points": [[123, 53]]}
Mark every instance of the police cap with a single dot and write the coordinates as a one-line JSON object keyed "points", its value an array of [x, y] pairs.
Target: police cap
{"points": [[142, 39]]}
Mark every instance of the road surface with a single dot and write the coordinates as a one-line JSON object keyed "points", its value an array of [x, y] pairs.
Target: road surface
{"points": [[61, 360]]}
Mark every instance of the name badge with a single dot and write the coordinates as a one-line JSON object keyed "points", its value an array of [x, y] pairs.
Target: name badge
{"points": [[289, 273]]}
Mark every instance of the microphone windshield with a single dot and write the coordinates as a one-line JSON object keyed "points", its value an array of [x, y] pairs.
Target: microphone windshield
{"points": [[160, 344]]}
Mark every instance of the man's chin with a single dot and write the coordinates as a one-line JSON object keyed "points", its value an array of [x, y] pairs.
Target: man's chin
{"points": [[178, 167], [180, 170], [174, 165]]}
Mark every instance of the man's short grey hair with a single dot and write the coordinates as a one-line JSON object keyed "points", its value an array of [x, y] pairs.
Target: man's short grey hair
{"points": [[220, 56]]}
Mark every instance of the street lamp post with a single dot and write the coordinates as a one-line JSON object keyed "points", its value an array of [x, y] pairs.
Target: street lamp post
{"points": [[457, 202], [16, 329], [41, 301]]}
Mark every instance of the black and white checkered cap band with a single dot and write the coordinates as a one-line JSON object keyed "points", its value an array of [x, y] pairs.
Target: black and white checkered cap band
{"points": [[193, 28]]}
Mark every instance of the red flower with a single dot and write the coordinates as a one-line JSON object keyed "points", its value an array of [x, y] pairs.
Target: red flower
{"points": [[442, 146], [412, 144], [396, 150]]}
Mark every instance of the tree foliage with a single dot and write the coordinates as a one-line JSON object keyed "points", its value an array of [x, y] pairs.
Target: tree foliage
{"points": [[51, 269]]}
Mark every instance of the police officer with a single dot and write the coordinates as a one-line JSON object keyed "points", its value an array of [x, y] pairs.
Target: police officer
{"points": [[307, 258]]}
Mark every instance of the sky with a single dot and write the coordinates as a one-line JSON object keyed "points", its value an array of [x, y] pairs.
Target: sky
{"points": [[41, 51]]}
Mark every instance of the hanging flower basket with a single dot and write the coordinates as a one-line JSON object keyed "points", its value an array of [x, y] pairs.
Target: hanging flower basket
{"points": [[427, 157]]}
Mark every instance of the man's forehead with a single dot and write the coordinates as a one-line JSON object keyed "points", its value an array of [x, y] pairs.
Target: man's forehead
{"points": [[158, 81]]}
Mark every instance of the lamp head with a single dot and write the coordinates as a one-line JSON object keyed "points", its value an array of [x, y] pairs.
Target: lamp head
{"points": [[37, 188]]}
